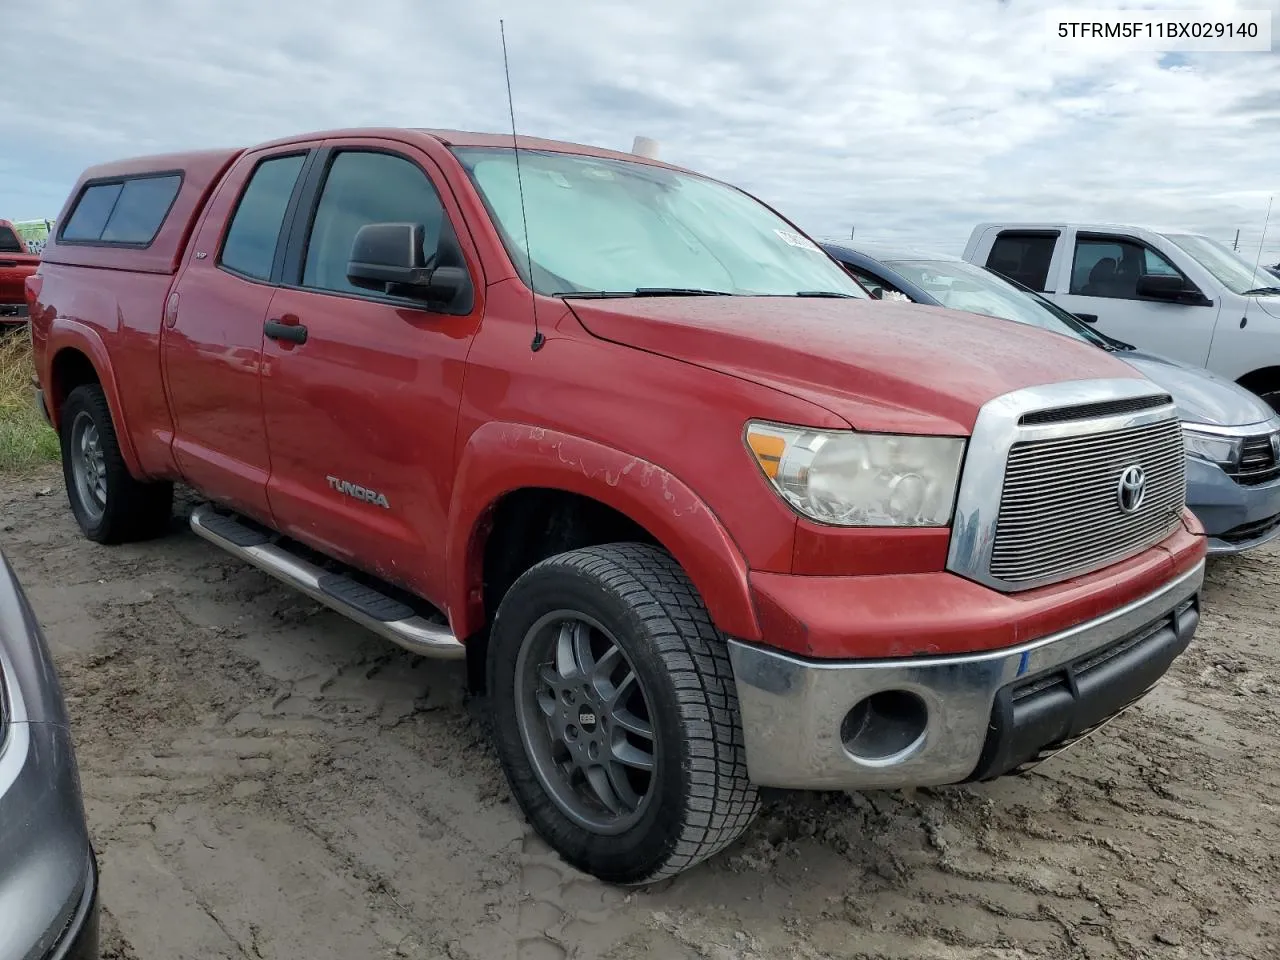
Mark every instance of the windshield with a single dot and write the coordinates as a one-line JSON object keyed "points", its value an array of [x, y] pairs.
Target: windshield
{"points": [[611, 226], [9, 242], [964, 286], [1228, 267]]}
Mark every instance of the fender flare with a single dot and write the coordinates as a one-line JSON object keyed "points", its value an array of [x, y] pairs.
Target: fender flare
{"points": [[501, 457], [67, 334]]}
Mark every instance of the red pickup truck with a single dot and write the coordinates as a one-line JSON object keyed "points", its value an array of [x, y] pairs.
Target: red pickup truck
{"points": [[16, 264], [698, 518]]}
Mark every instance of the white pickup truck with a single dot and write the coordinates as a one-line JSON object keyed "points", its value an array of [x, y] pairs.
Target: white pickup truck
{"points": [[1169, 292]]}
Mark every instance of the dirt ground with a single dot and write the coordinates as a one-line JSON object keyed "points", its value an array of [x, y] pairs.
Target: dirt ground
{"points": [[266, 780]]}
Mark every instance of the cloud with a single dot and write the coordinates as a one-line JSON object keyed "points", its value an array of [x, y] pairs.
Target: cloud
{"points": [[910, 121]]}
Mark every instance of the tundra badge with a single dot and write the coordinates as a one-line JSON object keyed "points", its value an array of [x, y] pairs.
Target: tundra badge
{"points": [[350, 489]]}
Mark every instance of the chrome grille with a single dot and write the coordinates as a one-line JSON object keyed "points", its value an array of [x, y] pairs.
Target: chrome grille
{"points": [[1060, 511], [1258, 462], [1102, 408]]}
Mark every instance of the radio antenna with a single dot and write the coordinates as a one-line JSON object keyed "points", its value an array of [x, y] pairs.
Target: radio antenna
{"points": [[1263, 242], [538, 338], [1244, 319]]}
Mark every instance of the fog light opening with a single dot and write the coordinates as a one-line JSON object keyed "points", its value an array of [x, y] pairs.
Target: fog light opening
{"points": [[882, 727]]}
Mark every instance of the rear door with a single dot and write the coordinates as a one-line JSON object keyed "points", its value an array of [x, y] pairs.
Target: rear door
{"points": [[212, 335], [1100, 285], [361, 415]]}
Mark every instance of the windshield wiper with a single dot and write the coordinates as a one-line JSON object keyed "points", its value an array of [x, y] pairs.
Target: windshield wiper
{"points": [[678, 292], [826, 293], [1257, 290]]}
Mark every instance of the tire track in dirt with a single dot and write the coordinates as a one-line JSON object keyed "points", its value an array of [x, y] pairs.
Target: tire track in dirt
{"points": [[264, 779]]}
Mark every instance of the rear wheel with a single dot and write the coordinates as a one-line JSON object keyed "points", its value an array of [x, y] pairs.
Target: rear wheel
{"points": [[108, 503], [616, 715]]}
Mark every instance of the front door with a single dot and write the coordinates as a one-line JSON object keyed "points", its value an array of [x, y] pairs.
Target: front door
{"points": [[1103, 284], [212, 332], [361, 416]]}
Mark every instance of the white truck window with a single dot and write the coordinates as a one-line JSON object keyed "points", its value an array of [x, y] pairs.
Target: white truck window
{"points": [[1110, 267], [1023, 256]]}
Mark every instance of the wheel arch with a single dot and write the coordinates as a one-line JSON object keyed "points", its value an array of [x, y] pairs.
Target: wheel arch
{"points": [[75, 356], [1262, 380], [505, 464]]}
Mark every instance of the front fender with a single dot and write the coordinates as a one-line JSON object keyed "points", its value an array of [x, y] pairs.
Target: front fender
{"points": [[503, 457], [67, 334]]}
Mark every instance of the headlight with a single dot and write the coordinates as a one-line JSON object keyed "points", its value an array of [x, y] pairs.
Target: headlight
{"points": [[1224, 451], [860, 479]]}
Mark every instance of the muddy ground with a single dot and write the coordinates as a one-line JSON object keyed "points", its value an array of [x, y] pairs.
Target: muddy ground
{"points": [[264, 779]]}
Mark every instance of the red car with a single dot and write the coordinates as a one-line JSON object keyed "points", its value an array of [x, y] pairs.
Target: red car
{"points": [[16, 264], [698, 513]]}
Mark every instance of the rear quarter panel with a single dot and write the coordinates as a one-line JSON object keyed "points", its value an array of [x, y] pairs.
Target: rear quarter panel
{"points": [[113, 317]]}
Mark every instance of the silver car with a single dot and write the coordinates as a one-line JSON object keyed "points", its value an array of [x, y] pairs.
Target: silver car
{"points": [[48, 873], [1232, 437]]}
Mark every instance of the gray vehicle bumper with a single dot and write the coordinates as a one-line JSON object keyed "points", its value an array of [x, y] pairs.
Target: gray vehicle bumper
{"points": [[48, 875], [923, 721], [1236, 517]]}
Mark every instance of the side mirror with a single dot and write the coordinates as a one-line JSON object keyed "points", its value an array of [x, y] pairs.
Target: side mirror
{"points": [[1159, 286], [388, 258]]}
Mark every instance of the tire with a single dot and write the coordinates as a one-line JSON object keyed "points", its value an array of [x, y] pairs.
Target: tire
{"points": [[108, 503], [696, 798]]}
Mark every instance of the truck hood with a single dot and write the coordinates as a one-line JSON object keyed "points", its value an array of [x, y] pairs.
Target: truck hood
{"points": [[881, 366], [1201, 396], [1269, 305]]}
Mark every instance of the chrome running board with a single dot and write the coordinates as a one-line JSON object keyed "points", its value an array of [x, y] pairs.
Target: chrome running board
{"points": [[384, 615]]}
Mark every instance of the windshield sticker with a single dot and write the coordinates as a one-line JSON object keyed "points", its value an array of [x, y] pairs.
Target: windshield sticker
{"points": [[559, 179], [796, 240]]}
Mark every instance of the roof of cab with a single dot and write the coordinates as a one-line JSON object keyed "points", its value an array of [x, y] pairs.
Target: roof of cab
{"points": [[1131, 229], [464, 138], [203, 169]]}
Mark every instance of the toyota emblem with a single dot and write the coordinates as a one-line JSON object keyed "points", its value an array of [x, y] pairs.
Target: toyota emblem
{"points": [[1132, 489]]}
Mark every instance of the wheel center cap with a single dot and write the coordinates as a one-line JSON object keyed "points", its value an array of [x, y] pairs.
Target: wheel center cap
{"points": [[587, 719]]}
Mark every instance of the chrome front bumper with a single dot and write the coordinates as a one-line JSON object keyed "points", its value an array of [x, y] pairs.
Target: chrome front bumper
{"points": [[977, 720]]}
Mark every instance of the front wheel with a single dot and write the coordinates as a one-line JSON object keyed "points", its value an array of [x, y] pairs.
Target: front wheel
{"points": [[616, 715]]}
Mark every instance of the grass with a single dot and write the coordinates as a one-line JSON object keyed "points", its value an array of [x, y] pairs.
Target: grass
{"points": [[26, 441]]}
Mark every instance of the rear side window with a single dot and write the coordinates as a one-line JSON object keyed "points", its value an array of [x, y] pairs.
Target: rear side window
{"points": [[9, 242], [126, 212], [1023, 257], [89, 218], [250, 247]]}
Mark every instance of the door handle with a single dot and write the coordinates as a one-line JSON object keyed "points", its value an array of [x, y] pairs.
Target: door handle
{"points": [[1087, 317], [293, 332]]}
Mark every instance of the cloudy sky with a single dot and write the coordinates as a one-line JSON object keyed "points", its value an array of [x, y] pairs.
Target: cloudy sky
{"points": [[909, 119]]}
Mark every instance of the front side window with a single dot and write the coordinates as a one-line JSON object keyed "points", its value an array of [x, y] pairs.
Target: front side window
{"points": [[1024, 257], [1228, 267], [125, 212], [10, 242], [362, 188], [613, 226], [250, 246], [1110, 267]]}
